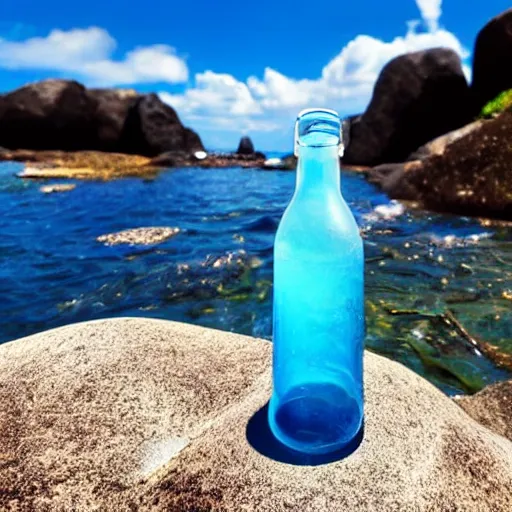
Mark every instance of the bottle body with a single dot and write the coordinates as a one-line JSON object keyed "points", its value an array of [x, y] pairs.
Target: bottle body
{"points": [[317, 400]]}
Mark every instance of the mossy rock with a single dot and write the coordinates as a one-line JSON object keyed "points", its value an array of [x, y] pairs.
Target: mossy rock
{"points": [[498, 105]]}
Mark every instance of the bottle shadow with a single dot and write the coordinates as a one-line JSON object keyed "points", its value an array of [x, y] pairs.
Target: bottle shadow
{"points": [[260, 437]]}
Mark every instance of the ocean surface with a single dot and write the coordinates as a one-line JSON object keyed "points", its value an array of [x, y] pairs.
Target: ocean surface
{"points": [[422, 269]]}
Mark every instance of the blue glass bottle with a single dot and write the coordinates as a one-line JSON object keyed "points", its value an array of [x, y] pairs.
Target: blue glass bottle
{"points": [[317, 401]]}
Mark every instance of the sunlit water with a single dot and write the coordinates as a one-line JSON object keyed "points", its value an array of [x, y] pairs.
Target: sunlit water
{"points": [[218, 271]]}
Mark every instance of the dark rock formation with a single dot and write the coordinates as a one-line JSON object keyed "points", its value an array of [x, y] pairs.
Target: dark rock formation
{"points": [[54, 114], [153, 127], [346, 128], [192, 141], [64, 115], [492, 69], [112, 110], [472, 175], [245, 147], [417, 97], [439, 145], [171, 159]]}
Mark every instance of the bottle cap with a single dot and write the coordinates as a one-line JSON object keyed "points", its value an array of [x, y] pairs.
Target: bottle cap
{"points": [[318, 127]]}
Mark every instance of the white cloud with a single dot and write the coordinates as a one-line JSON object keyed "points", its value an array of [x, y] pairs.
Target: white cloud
{"points": [[217, 94], [345, 83], [87, 53], [430, 12], [219, 101]]}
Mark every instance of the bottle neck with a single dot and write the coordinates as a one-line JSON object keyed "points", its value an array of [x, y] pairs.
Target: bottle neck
{"points": [[318, 171]]}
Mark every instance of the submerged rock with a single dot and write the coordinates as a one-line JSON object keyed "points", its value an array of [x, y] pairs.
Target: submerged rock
{"points": [[470, 177], [57, 187], [287, 163], [139, 236], [417, 97], [153, 415], [492, 73]]}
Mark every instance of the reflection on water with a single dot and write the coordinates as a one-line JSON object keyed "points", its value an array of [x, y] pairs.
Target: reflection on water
{"points": [[434, 284]]}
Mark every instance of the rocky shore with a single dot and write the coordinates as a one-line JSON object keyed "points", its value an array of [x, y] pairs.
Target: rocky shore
{"points": [[427, 136], [99, 165], [102, 133], [437, 140], [135, 414]]}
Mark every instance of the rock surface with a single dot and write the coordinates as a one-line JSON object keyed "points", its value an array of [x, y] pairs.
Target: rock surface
{"points": [[153, 127], [287, 163], [139, 236], [53, 114], [491, 407], [94, 165], [134, 414], [112, 109], [209, 160], [417, 97], [245, 147], [438, 146], [64, 115], [472, 176], [97, 165], [57, 187], [492, 73]]}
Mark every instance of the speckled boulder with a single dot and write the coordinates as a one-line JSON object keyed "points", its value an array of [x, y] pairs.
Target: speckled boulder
{"points": [[135, 414]]}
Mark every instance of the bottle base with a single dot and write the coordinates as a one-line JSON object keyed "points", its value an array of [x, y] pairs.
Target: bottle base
{"points": [[315, 418]]}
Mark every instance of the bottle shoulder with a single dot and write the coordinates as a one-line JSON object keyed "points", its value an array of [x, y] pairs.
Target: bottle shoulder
{"points": [[319, 229]]}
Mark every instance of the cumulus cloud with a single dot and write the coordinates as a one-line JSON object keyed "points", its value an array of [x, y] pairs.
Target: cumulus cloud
{"points": [[345, 83], [430, 12], [216, 93], [213, 101], [87, 53]]}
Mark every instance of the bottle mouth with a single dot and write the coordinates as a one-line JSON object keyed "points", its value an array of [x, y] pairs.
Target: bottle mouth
{"points": [[317, 127]]}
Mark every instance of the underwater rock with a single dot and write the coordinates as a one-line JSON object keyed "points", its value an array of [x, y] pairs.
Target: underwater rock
{"points": [[287, 163], [139, 236], [57, 187]]}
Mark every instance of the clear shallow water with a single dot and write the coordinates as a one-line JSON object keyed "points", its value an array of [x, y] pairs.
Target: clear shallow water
{"points": [[218, 271]]}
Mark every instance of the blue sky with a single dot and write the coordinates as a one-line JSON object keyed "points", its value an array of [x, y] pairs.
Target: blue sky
{"points": [[232, 68]]}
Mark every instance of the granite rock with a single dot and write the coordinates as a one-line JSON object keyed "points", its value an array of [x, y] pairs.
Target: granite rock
{"points": [[139, 414]]}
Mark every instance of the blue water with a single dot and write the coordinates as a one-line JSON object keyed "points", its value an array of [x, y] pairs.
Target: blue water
{"points": [[218, 271]]}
